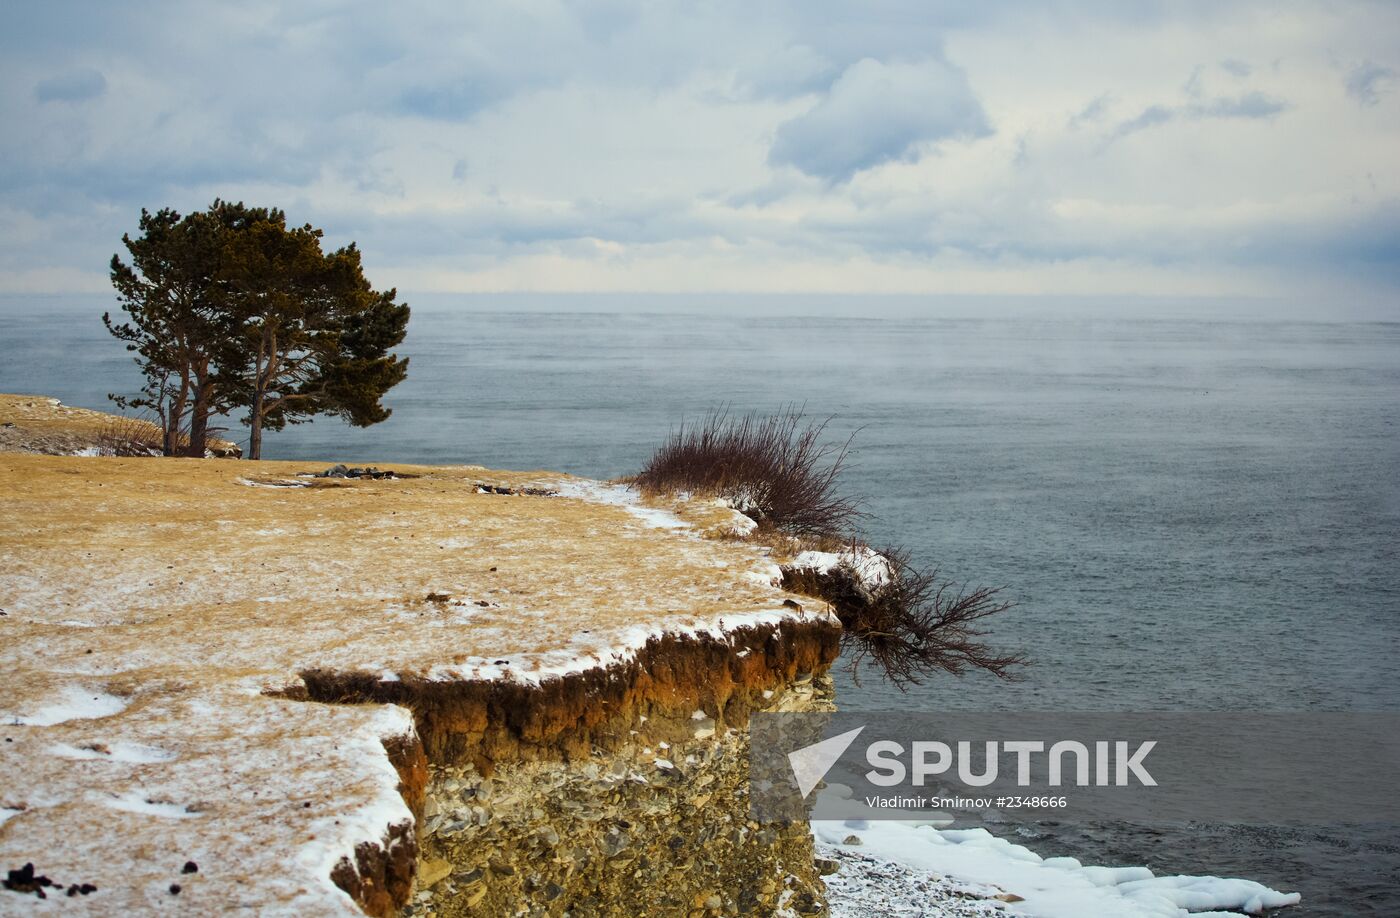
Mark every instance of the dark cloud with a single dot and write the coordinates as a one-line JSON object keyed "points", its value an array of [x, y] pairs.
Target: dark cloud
{"points": [[75, 86], [1367, 80], [1151, 116], [877, 112], [1093, 112], [1249, 105], [453, 102]]}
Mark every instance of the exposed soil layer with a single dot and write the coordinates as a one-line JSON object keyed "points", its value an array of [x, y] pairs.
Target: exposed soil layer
{"points": [[486, 723], [381, 879]]}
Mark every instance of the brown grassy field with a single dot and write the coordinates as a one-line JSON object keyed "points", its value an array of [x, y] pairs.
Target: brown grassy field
{"points": [[149, 607]]}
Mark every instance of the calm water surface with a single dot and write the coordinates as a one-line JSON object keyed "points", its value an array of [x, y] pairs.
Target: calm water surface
{"points": [[1190, 515]]}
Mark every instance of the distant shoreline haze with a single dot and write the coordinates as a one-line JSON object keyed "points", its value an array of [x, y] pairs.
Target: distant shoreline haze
{"points": [[841, 305]]}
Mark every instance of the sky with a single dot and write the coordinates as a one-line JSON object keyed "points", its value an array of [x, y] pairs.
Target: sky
{"points": [[1193, 149]]}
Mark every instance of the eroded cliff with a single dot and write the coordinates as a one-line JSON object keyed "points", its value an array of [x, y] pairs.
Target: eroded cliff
{"points": [[447, 691]]}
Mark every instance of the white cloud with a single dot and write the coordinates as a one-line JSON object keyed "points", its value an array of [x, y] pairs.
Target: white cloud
{"points": [[1083, 147]]}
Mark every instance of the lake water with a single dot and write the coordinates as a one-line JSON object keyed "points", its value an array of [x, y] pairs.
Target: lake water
{"points": [[1190, 514]]}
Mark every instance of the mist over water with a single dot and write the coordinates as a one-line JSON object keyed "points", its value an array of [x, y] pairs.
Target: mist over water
{"points": [[1189, 514]]}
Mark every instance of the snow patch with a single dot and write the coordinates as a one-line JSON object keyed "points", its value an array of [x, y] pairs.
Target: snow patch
{"points": [[870, 887], [872, 569], [135, 802], [1054, 888], [73, 702], [337, 835], [130, 753], [620, 647], [624, 496], [739, 523], [282, 483], [768, 574]]}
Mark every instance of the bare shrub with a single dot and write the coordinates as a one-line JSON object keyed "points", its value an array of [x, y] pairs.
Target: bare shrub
{"points": [[128, 436], [774, 468], [912, 626]]}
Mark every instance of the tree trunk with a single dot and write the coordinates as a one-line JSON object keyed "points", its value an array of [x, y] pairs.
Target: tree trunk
{"points": [[255, 419], [173, 422], [199, 414], [199, 423]]}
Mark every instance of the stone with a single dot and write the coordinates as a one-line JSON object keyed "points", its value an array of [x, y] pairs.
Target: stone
{"points": [[432, 872], [615, 842], [852, 840]]}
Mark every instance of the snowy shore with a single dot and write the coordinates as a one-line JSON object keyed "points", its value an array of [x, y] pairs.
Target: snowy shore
{"points": [[896, 868]]}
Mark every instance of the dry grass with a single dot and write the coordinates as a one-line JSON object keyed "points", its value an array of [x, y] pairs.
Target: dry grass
{"points": [[775, 468], [185, 591], [127, 436], [39, 412], [317, 573]]}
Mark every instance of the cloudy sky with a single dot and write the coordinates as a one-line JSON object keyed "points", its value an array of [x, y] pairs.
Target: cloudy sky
{"points": [[1223, 149]]}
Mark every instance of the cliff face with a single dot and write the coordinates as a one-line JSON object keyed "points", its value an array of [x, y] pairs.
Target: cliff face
{"points": [[650, 827], [464, 691], [615, 792]]}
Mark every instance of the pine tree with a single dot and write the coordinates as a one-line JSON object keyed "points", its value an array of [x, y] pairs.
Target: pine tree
{"points": [[315, 335], [175, 323], [230, 308]]}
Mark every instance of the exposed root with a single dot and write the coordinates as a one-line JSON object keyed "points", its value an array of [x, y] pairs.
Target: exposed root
{"points": [[912, 626]]}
